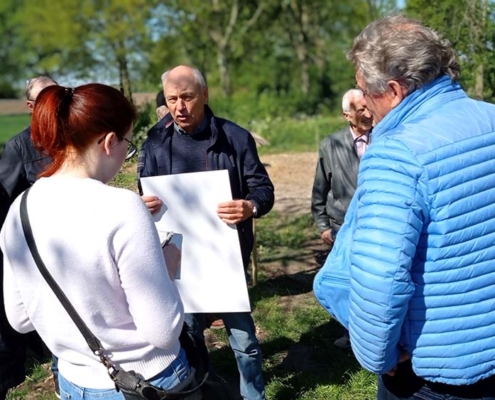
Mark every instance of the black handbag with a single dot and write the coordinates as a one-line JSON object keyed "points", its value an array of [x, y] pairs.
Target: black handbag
{"points": [[131, 385]]}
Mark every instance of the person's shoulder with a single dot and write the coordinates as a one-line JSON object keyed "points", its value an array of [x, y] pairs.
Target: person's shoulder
{"points": [[22, 138], [125, 196], [160, 128], [236, 135], [230, 127], [335, 137]]}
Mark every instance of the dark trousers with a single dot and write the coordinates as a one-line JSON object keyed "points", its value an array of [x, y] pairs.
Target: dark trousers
{"points": [[406, 385], [13, 347]]}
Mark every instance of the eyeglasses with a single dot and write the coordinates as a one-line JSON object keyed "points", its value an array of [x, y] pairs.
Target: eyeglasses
{"points": [[131, 148]]}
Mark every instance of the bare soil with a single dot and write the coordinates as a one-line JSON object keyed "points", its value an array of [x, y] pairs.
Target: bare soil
{"points": [[292, 174]]}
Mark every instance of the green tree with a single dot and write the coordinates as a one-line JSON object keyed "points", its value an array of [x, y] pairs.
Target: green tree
{"points": [[469, 25], [11, 48], [119, 33], [89, 38], [213, 29]]}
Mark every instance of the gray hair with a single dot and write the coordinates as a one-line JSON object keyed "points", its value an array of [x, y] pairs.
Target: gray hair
{"points": [[40, 80], [349, 98], [402, 49], [198, 76]]}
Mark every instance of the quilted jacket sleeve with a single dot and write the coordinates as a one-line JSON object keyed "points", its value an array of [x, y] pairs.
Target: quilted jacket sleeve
{"points": [[390, 217]]}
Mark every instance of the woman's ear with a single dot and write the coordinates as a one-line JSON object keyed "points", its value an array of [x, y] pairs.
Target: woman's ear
{"points": [[109, 142]]}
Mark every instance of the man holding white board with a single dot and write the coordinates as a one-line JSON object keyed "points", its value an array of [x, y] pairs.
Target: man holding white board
{"points": [[198, 141]]}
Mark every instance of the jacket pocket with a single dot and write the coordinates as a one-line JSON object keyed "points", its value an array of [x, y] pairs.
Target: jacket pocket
{"points": [[332, 288]]}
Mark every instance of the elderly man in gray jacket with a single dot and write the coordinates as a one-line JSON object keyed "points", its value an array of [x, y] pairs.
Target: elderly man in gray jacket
{"points": [[336, 173]]}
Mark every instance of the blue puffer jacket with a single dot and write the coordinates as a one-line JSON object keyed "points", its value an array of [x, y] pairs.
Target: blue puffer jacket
{"points": [[421, 235]]}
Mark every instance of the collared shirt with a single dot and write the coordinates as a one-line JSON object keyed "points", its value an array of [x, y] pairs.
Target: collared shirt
{"points": [[360, 142]]}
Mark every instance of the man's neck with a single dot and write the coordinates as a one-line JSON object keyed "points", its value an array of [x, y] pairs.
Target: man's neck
{"points": [[200, 128]]}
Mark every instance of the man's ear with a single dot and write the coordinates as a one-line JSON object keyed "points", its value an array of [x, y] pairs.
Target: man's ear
{"points": [[397, 92], [205, 94], [30, 105], [346, 116]]}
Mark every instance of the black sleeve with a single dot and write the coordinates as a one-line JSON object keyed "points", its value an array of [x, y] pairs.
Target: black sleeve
{"points": [[261, 190], [321, 188], [12, 173]]}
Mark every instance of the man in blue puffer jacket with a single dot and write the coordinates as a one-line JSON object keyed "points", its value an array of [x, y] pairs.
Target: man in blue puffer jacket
{"points": [[420, 231]]}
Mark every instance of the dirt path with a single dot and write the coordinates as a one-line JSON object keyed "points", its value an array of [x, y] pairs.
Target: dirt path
{"points": [[292, 174]]}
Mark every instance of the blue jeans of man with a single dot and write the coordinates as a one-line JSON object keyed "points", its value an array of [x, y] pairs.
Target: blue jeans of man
{"points": [[242, 337], [168, 378]]}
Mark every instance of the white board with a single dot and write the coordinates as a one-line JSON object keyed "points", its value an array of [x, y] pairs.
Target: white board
{"points": [[211, 277]]}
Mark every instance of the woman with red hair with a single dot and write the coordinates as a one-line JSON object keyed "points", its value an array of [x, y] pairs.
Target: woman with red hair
{"points": [[100, 245]]}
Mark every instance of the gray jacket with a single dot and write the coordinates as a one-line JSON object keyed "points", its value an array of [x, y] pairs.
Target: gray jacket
{"points": [[335, 180]]}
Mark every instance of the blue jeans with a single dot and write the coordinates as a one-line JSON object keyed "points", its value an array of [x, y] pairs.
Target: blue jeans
{"points": [[428, 392], [247, 351], [54, 366], [168, 378]]}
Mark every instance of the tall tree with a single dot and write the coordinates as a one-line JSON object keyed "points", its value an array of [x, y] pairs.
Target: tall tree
{"points": [[119, 30], [470, 27], [319, 32], [87, 38], [11, 47], [224, 24]]}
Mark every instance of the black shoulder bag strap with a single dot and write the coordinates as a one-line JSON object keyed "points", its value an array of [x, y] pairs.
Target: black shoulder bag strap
{"points": [[128, 382]]}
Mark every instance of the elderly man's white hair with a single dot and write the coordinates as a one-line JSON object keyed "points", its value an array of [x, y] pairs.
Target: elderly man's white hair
{"points": [[349, 97], [196, 73]]}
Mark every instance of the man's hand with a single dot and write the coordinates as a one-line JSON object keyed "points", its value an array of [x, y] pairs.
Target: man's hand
{"points": [[235, 211], [153, 203], [327, 237], [404, 357]]}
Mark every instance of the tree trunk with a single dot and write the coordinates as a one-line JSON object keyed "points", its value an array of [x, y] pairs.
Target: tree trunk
{"points": [[125, 81], [301, 42], [305, 80], [478, 89], [224, 71]]}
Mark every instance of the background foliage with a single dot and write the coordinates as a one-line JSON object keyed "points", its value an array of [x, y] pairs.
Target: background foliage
{"points": [[272, 57]]}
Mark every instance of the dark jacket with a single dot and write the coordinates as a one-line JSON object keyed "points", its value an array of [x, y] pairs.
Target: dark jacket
{"points": [[233, 148], [335, 180], [20, 164], [19, 167]]}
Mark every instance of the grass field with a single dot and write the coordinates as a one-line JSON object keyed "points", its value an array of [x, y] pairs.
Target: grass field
{"points": [[11, 125]]}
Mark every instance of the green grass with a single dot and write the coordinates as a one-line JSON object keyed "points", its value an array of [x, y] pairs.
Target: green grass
{"points": [[295, 134], [11, 125]]}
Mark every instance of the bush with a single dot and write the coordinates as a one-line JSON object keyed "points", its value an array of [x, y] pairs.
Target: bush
{"points": [[146, 118]]}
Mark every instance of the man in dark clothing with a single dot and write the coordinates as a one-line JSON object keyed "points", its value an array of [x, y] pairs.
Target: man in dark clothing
{"points": [[21, 162], [197, 141], [19, 168], [336, 174]]}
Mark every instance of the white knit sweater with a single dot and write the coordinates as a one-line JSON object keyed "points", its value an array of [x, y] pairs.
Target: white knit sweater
{"points": [[101, 246]]}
